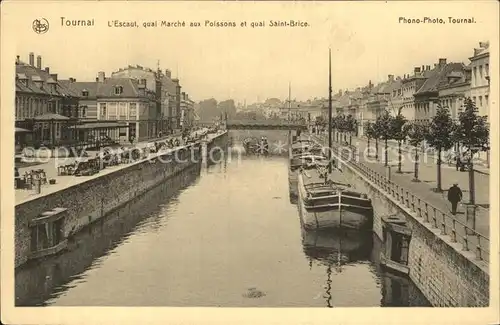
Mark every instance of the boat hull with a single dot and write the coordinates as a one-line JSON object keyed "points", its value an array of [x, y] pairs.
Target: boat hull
{"points": [[334, 216]]}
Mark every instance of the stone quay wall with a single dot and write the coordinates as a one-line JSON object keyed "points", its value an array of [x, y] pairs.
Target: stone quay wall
{"points": [[91, 200], [447, 276]]}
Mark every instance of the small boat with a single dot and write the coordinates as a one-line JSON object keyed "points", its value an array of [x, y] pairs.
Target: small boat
{"points": [[329, 201]]}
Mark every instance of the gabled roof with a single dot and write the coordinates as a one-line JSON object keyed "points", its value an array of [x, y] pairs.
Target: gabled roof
{"points": [[106, 88], [78, 87], [438, 76], [32, 74]]}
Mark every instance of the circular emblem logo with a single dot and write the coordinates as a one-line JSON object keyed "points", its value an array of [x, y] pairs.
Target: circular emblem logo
{"points": [[40, 26]]}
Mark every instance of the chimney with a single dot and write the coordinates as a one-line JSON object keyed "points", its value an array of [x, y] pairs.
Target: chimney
{"points": [[54, 76], [47, 69], [32, 59], [18, 60], [442, 62], [168, 73], [39, 62], [390, 77], [101, 76]]}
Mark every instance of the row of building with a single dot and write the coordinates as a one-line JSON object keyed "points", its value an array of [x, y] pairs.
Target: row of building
{"points": [[132, 104], [417, 95]]}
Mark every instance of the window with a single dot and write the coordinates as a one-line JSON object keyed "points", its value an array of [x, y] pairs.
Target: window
{"points": [[481, 72], [480, 101], [103, 110], [85, 93], [486, 69], [112, 111], [486, 100], [132, 111], [47, 233], [123, 111], [118, 90], [474, 99]]}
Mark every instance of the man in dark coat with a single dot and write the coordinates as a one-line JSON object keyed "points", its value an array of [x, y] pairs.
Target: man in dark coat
{"points": [[454, 196]]}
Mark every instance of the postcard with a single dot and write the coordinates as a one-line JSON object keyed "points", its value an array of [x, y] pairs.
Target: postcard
{"points": [[206, 162]]}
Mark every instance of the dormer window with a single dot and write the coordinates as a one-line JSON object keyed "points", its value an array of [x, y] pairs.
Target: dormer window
{"points": [[118, 90], [85, 93]]}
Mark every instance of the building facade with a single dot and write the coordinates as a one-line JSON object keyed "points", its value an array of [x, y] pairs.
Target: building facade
{"points": [[153, 85], [187, 111], [453, 90], [480, 78], [168, 94], [125, 101], [427, 96], [411, 84], [44, 107]]}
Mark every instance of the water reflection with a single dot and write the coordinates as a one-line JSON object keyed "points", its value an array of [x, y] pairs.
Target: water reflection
{"points": [[337, 250], [39, 281]]}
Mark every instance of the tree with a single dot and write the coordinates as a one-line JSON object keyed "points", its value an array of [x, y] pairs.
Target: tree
{"points": [[416, 134], [336, 126], [350, 126], [473, 132], [383, 129], [208, 110], [320, 121], [398, 133], [370, 133], [228, 107], [439, 136]]}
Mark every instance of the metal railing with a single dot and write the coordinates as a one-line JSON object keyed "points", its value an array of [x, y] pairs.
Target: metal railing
{"points": [[447, 224]]}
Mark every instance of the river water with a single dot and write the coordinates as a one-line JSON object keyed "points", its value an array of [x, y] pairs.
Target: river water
{"points": [[224, 235]]}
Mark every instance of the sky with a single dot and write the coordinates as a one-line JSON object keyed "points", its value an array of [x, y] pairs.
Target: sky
{"points": [[367, 40]]}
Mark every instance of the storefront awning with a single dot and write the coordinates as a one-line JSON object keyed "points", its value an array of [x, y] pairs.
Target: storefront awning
{"points": [[88, 126], [51, 117], [21, 130]]}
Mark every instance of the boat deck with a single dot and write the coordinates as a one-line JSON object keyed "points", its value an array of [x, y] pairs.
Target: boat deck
{"points": [[312, 176]]}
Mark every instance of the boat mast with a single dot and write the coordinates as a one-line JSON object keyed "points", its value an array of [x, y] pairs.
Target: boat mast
{"points": [[289, 101], [330, 110]]}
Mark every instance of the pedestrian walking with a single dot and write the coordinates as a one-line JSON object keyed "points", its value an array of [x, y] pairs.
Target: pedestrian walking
{"points": [[454, 196], [458, 162]]}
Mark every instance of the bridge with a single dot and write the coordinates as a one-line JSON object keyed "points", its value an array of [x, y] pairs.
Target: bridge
{"points": [[265, 125]]}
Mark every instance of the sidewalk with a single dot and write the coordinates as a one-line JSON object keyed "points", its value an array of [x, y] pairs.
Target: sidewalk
{"points": [[406, 148], [50, 167], [427, 175]]}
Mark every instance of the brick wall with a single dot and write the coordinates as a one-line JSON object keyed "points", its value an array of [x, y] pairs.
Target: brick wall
{"points": [[91, 200], [444, 275]]}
